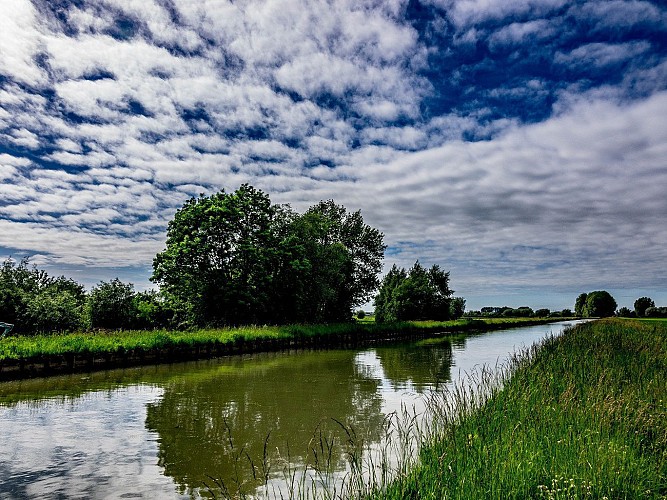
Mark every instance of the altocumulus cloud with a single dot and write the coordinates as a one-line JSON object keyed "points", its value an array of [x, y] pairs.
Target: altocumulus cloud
{"points": [[520, 144]]}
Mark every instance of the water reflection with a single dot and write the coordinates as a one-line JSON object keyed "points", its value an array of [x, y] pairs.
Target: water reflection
{"points": [[164, 431], [215, 425]]}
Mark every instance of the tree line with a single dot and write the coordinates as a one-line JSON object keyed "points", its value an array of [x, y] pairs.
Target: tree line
{"points": [[237, 258], [230, 259]]}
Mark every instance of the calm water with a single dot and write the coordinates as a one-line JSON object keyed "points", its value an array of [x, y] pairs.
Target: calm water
{"points": [[165, 431]]}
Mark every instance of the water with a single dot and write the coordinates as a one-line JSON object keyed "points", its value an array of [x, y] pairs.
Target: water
{"points": [[183, 430]]}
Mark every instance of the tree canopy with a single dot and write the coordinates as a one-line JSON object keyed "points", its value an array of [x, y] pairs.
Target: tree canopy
{"points": [[599, 303], [416, 294], [642, 304], [236, 258]]}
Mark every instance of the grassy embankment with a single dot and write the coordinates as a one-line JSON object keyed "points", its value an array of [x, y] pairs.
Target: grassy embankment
{"points": [[582, 416], [32, 355]]}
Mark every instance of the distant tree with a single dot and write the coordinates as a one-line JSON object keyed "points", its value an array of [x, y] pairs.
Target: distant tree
{"points": [[641, 304], [600, 304], [35, 302], [580, 305], [566, 313], [112, 305], [415, 294], [457, 307], [542, 313], [656, 312], [625, 312], [361, 314]]}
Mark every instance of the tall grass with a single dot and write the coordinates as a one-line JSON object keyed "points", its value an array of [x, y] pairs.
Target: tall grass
{"points": [[253, 337], [581, 416]]}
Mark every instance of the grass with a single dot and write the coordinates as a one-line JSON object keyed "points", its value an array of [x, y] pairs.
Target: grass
{"points": [[254, 337], [581, 416]]}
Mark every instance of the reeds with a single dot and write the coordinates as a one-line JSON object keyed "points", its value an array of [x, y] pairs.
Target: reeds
{"points": [[583, 415]]}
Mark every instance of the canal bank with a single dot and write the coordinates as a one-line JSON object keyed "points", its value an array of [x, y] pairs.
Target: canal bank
{"points": [[45, 355]]}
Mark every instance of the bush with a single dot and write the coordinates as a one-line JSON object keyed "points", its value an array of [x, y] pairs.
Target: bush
{"points": [[624, 312], [656, 312], [112, 305], [361, 314]]}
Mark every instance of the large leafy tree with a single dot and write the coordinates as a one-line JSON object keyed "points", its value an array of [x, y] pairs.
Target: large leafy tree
{"points": [[342, 256], [600, 304], [218, 265], [235, 258]]}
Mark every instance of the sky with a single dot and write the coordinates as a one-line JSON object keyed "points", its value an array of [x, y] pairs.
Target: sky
{"points": [[519, 144]]}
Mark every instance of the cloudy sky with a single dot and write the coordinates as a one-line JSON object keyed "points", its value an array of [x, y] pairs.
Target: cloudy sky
{"points": [[520, 144]]}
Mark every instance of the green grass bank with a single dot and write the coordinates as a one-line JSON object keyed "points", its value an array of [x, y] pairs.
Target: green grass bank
{"points": [[581, 416], [30, 356]]}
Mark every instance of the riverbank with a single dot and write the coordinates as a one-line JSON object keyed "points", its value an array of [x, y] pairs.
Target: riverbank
{"points": [[42, 355], [582, 416]]}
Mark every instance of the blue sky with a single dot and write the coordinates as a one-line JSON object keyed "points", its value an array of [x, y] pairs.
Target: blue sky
{"points": [[522, 145]]}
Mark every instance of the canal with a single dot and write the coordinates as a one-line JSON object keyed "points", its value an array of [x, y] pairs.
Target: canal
{"points": [[200, 428]]}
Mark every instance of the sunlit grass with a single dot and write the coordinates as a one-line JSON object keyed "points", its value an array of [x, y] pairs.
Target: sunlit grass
{"points": [[583, 416], [252, 337]]}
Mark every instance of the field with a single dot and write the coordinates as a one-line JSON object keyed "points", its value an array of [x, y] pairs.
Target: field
{"points": [[582, 416]]}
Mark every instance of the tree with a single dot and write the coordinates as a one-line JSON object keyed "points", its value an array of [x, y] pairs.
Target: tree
{"points": [[580, 305], [36, 302], [600, 304], [414, 294], [457, 307], [642, 304], [112, 305], [542, 313], [217, 265], [237, 259], [345, 257], [625, 312], [385, 304]]}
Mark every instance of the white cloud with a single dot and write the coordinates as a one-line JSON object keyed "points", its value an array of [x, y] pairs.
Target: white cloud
{"points": [[468, 12], [20, 41], [602, 54]]}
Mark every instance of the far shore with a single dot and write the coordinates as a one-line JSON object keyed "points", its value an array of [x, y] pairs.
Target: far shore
{"points": [[44, 355]]}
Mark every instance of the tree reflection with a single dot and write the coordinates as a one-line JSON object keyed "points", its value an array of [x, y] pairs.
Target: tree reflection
{"points": [[213, 424], [421, 364]]}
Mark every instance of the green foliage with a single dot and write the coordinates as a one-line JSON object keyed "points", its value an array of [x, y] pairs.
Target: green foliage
{"points": [[656, 312], [414, 294], [238, 259], [542, 313], [642, 304], [580, 305], [112, 305], [36, 302], [361, 314], [625, 312], [457, 307], [582, 416], [600, 304]]}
